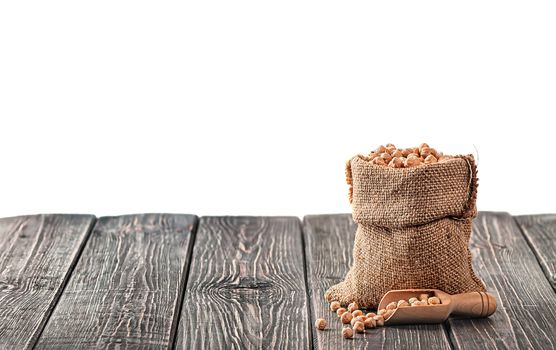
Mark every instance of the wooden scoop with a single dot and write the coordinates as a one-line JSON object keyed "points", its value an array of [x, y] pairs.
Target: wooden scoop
{"points": [[475, 304]]}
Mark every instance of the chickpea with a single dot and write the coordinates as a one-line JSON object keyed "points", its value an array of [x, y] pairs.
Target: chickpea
{"points": [[388, 313], [379, 320], [381, 312], [341, 311], [356, 313], [356, 319], [380, 149], [320, 324], [412, 162], [407, 151], [346, 317], [425, 152], [412, 300], [352, 307], [423, 296], [392, 306], [334, 306], [378, 161], [396, 153], [431, 159], [370, 323], [396, 163], [434, 301], [359, 327], [403, 303], [370, 315], [386, 157], [347, 333], [444, 158]]}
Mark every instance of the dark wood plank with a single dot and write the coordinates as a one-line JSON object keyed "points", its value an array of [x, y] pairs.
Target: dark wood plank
{"points": [[127, 286], [526, 314], [246, 286], [540, 232], [329, 252], [37, 254]]}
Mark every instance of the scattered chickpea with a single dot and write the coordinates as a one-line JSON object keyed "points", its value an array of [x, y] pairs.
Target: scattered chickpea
{"points": [[356, 313], [403, 303], [370, 315], [341, 311], [320, 324], [334, 306], [356, 319], [347, 333], [379, 320], [434, 301], [370, 323], [352, 307], [346, 317], [392, 306], [359, 327]]}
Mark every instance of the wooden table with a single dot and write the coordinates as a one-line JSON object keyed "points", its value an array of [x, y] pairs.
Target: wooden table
{"points": [[166, 280]]}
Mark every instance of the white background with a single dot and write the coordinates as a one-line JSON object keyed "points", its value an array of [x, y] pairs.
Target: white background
{"points": [[253, 107]]}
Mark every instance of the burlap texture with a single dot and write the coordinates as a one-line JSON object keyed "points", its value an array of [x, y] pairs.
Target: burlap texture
{"points": [[414, 226]]}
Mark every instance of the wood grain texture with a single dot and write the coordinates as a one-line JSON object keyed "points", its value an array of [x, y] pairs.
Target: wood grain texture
{"points": [[329, 243], [526, 314], [37, 254], [246, 286], [540, 233], [126, 287]]}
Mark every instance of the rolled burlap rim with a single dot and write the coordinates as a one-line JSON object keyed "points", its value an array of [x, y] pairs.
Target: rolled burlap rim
{"points": [[401, 197]]}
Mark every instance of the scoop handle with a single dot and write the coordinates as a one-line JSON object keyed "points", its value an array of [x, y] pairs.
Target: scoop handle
{"points": [[474, 304]]}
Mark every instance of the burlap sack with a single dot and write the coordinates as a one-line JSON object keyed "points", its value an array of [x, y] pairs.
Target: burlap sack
{"points": [[414, 226]]}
